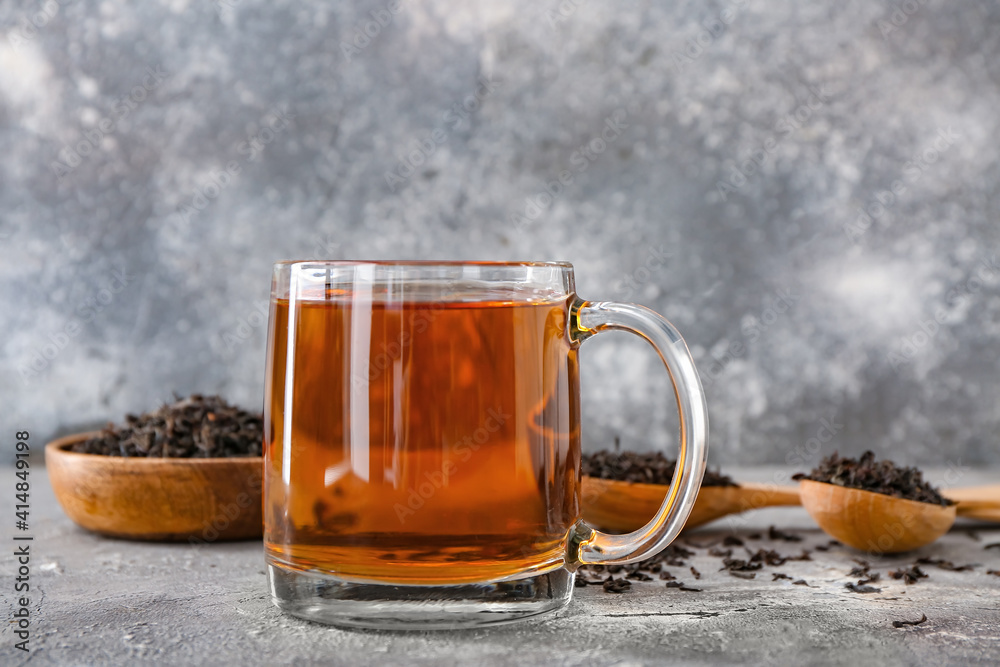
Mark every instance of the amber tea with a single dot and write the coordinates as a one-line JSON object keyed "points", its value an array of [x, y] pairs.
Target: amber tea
{"points": [[422, 445], [421, 441]]}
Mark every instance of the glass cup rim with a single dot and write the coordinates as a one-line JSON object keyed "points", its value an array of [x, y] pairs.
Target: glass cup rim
{"points": [[426, 263]]}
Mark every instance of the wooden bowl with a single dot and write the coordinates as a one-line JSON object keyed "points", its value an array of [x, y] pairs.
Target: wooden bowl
{"points": [[160, 499]]}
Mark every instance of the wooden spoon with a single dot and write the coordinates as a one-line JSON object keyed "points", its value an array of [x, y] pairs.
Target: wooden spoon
{"points": [[626, 506], [879, 524]]}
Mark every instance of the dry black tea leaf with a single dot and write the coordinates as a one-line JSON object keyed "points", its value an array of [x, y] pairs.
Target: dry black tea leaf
{"points": [[875, 576], [732, 541], [640, 571], [644, 468], [861, 570], [194, 427], [868, 474], [740, 574], [943, 564], [770, 557], [992, 545], [696, 573], [775, 534], [900, 624], [740, 565], [801, 582], [862, 588], [995, 573], [612, 585], [679, 585], [909, 575], [775, 576]]}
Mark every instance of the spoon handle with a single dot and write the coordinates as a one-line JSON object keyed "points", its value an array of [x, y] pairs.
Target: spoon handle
{"points": [[977, 502], [770, 495]]}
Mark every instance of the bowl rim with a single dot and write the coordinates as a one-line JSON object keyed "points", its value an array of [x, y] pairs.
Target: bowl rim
{"points": [[58, 447]]}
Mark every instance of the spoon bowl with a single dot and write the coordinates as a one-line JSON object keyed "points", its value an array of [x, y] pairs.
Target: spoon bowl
{"points": [[875, 522], [626, 506]]}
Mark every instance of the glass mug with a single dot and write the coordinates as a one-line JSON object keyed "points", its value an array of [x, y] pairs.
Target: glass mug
{"points": [[422, 441]]}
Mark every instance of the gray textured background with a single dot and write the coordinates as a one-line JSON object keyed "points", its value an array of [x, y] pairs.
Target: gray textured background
{"points": [[839, 109]]}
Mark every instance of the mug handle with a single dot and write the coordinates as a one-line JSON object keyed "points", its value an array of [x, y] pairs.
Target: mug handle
{"points": [[589, 546]]}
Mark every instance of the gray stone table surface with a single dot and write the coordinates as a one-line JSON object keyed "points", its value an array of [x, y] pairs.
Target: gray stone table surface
{"points": [[103, 601]]}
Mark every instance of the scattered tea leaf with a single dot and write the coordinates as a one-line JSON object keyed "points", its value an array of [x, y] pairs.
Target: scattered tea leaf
{"points": [[612, 585], [801, 582], [776, 534], [767, 556], [778, 575], [900, 624], [943, 564], [732, 541], [860, 571], [909, 575], [862, 588], [740, 565], [742, 575], [696, 573]]}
